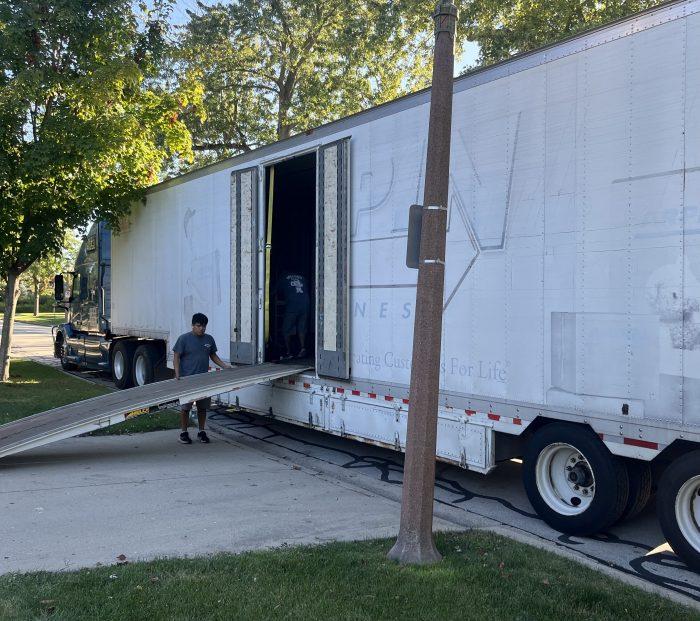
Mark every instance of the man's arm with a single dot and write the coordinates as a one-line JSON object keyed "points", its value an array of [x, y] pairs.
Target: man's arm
{"points": [[176, 364], [216, 360]]}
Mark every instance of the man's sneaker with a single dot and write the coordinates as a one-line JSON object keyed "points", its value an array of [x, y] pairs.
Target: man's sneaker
{"points": [[203, 437], [302, 353], [185, 438]]}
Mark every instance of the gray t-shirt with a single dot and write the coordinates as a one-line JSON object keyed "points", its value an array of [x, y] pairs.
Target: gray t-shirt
{"points": [[194, 353]]}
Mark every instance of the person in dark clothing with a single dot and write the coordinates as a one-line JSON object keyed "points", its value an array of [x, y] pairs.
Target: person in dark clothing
{"points": [[293, 289], [191, 355]]}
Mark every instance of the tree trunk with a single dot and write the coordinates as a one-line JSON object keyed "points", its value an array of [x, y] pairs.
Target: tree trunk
{"points": [[285, 102], [8, 321], [37, 293]]}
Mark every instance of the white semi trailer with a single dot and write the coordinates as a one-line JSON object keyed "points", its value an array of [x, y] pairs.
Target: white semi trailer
{"points": [[572, 302]]}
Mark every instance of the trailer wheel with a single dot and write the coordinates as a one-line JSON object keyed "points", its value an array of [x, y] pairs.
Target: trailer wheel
{"points": [[145, 364], [640, 492], [121, 364], [678, 507], [573, 482]]}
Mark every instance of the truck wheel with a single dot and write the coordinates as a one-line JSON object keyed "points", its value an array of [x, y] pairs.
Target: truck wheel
{"points": [[68, 366], [678, 507], [639, 475], [572, 481], [65, 364], [121, 364], [60, 353], [145, 363]]}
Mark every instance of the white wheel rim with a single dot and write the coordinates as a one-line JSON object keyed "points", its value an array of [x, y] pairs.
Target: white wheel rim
{"points": [[565, 479], [140, 371], [118, 365], [688, 511]]}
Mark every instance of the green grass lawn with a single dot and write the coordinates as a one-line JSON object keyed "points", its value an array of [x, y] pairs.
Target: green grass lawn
{"points": [[482, 577], [35, 387], [43, 319]]}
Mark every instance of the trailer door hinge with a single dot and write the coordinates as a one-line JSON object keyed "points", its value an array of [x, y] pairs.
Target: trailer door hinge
{"points": [[397, 441], [463, 459]]}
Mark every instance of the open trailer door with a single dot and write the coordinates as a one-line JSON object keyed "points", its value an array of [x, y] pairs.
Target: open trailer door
{"points": [[332, 284], [244, 266]]}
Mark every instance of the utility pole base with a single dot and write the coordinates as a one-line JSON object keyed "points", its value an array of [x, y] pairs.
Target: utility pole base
{"points": [[411, 551]]}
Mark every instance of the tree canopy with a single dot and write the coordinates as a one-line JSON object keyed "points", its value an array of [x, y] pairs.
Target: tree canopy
{"points": [[505, 27], [84, 126], [273, 68]]}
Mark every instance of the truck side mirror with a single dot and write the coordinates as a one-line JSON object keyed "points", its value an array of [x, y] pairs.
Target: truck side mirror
{"points": [[58, 287]]}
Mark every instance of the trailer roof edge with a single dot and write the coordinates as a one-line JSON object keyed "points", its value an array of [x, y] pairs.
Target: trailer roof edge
{"points": [[623, 27]]}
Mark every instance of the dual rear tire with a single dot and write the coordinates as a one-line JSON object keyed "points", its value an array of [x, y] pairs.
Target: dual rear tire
{"points": [[578, 487], [572, 481], [678, 507], [134, 365]]}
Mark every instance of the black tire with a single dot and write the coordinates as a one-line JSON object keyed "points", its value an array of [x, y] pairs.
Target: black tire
{"points": [[640, 492], [145, 364], [609, 487], [669, 504], [68, 366], [60, 353], [121, 362]]}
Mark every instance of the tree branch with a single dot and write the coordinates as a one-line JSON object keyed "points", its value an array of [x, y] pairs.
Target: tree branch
{"points": [[213, 146]]}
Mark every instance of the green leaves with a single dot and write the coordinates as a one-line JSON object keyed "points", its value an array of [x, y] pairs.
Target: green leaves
{"points": [[84, 123], [273, 68], [505, 28]]}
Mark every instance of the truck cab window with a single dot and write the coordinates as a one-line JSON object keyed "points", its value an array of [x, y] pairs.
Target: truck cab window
{"points": [[75, 287], [91, 278], [83, 287]]}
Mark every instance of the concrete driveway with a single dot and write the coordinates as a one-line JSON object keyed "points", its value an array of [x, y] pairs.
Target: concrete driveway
{"points": [[85, 501]]}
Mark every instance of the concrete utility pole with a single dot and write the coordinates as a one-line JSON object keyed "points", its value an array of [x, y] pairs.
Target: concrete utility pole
{"points": [[415, 541]]}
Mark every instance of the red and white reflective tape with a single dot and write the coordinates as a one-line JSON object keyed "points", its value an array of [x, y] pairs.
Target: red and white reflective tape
{"points": [[498, 418], [637, 442], [404, 401]]}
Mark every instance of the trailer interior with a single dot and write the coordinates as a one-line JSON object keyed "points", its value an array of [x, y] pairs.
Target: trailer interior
{"points": [[290, 229]]}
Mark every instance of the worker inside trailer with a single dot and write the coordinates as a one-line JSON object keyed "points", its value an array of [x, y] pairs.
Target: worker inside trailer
{"points": [[292, 289]]}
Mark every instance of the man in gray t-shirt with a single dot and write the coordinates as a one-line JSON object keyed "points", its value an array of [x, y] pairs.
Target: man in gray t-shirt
{"points": [[191, 354]]}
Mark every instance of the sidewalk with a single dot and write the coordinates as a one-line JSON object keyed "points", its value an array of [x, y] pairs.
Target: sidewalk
{"points": [[88, 500]]}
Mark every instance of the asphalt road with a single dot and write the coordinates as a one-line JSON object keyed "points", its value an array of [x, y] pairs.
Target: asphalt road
{"points": [[635, 548]]}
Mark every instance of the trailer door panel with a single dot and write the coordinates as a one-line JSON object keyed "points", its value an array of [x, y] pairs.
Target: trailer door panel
{"points": [[244, 266], [332, 350]]}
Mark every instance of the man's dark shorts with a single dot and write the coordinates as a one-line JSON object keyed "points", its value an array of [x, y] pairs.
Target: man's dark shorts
{"points": [[294, 322], [202, 405]]}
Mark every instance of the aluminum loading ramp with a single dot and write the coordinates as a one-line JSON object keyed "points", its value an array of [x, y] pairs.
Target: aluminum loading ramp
{"points": [[84, 416]]}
